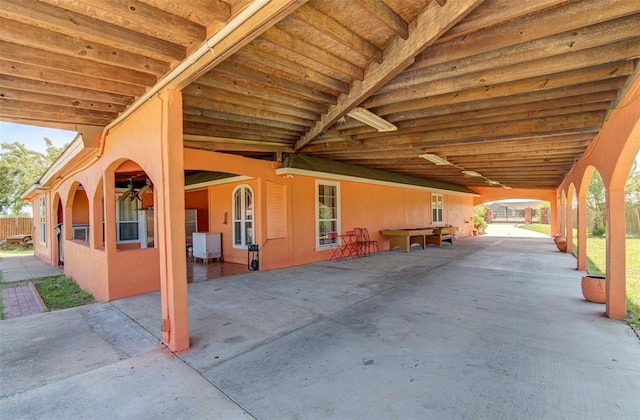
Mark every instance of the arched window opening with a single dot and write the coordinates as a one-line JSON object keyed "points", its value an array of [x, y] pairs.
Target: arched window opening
{"points": [[243, 222], [80, 216], [135, 215], [596, 226]]}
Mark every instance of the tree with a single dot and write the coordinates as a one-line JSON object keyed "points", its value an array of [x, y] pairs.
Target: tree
{"points": [[19, 169], [596, 204]]}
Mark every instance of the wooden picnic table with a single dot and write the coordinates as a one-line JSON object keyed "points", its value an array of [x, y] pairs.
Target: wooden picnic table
{"points": [[422, 236], [23, 240]]}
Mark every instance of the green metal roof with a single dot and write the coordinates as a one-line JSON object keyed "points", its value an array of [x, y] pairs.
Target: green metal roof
{"points": [[310, 163]]}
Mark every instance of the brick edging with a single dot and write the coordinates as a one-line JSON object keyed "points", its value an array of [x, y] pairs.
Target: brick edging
{"points": [[36, 297]]}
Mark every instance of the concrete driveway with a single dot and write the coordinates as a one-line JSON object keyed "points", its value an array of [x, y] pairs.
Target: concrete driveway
{"points": [[491, 328]]}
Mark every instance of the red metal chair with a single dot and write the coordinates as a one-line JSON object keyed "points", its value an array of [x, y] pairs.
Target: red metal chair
{"points": [[367, 244], [337, 251]]}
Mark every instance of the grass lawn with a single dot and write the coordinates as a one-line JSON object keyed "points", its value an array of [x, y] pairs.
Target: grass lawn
{"points": [[596, 256], [57, 292]]}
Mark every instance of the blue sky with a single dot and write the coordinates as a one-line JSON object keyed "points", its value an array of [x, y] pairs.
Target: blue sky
{"points": [[33, 137]]}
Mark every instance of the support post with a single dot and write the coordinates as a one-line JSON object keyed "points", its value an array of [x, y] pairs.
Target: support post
{"points": [[171, 233], [616, 264]]}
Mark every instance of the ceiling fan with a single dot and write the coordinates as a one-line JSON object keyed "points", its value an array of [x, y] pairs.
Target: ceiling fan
{"points": [[132, 194]]}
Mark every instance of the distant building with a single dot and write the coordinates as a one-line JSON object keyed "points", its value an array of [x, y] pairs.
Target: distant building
{"points": [[525, 211]]}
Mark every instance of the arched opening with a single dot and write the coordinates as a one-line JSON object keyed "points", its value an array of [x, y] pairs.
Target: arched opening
{"points": [[513, 216], [563, 214], [80, 227], [632, 242], [58, 223], [134, 207], [572, 230], [243, 224], [596, 225]]}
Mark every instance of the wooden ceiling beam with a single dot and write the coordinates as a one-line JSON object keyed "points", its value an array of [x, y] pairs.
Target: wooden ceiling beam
{"points": [[84, 27], [43, 108], [235, 131], [234, 147], [570, 16], [259, 22], [508, 93], [246, 135], [60, 47], [515, 58], [252, 57], [54, 100], [465, 144], [27, 86], [202, 12], [138, 17], [321, 57], [246, 110], [53, 116], [73, 65], [191, 120], [272, 83], [236, 141], [271, 48], [500, 96], [387, 17], [197, 95], [430, 24], [496, 12], [449, 122], [243, 88], [257, 136], [44, 74], [242, 118], [338, 32], [586, 122], [540, 74]]}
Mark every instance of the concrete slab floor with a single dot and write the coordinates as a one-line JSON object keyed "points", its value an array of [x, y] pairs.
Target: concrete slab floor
{"points": [[490, 328]]}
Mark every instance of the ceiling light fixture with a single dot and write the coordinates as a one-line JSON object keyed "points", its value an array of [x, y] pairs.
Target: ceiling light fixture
{"points": [[435, 159], [365, 116], [471, 173]]}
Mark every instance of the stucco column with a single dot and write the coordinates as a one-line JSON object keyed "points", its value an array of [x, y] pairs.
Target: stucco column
{"points": [[582, 233], [171, 233], [616, 264]]}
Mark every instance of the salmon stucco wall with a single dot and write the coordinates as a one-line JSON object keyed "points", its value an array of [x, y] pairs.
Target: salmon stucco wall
{"points": [[362, 204], [371, 206], [88, 267], [134, 272]]}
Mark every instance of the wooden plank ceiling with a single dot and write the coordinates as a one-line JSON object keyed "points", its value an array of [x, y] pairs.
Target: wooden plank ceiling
{"points": [[514, 91]]}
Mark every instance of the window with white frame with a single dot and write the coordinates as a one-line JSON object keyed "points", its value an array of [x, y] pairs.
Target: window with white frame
{"points": [[127, 220], [327, 212], [436, 208], [43, 220], [243, 226]]}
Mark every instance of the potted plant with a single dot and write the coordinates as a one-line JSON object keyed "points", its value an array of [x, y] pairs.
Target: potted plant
{"points": [[561, 243], [479, 223], [594, 288]]}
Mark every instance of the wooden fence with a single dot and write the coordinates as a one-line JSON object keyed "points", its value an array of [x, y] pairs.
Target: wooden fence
{"points": [[14, 226]]}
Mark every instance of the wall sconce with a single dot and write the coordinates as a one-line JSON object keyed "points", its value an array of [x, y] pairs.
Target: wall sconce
{"points": [[224, 220]]}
